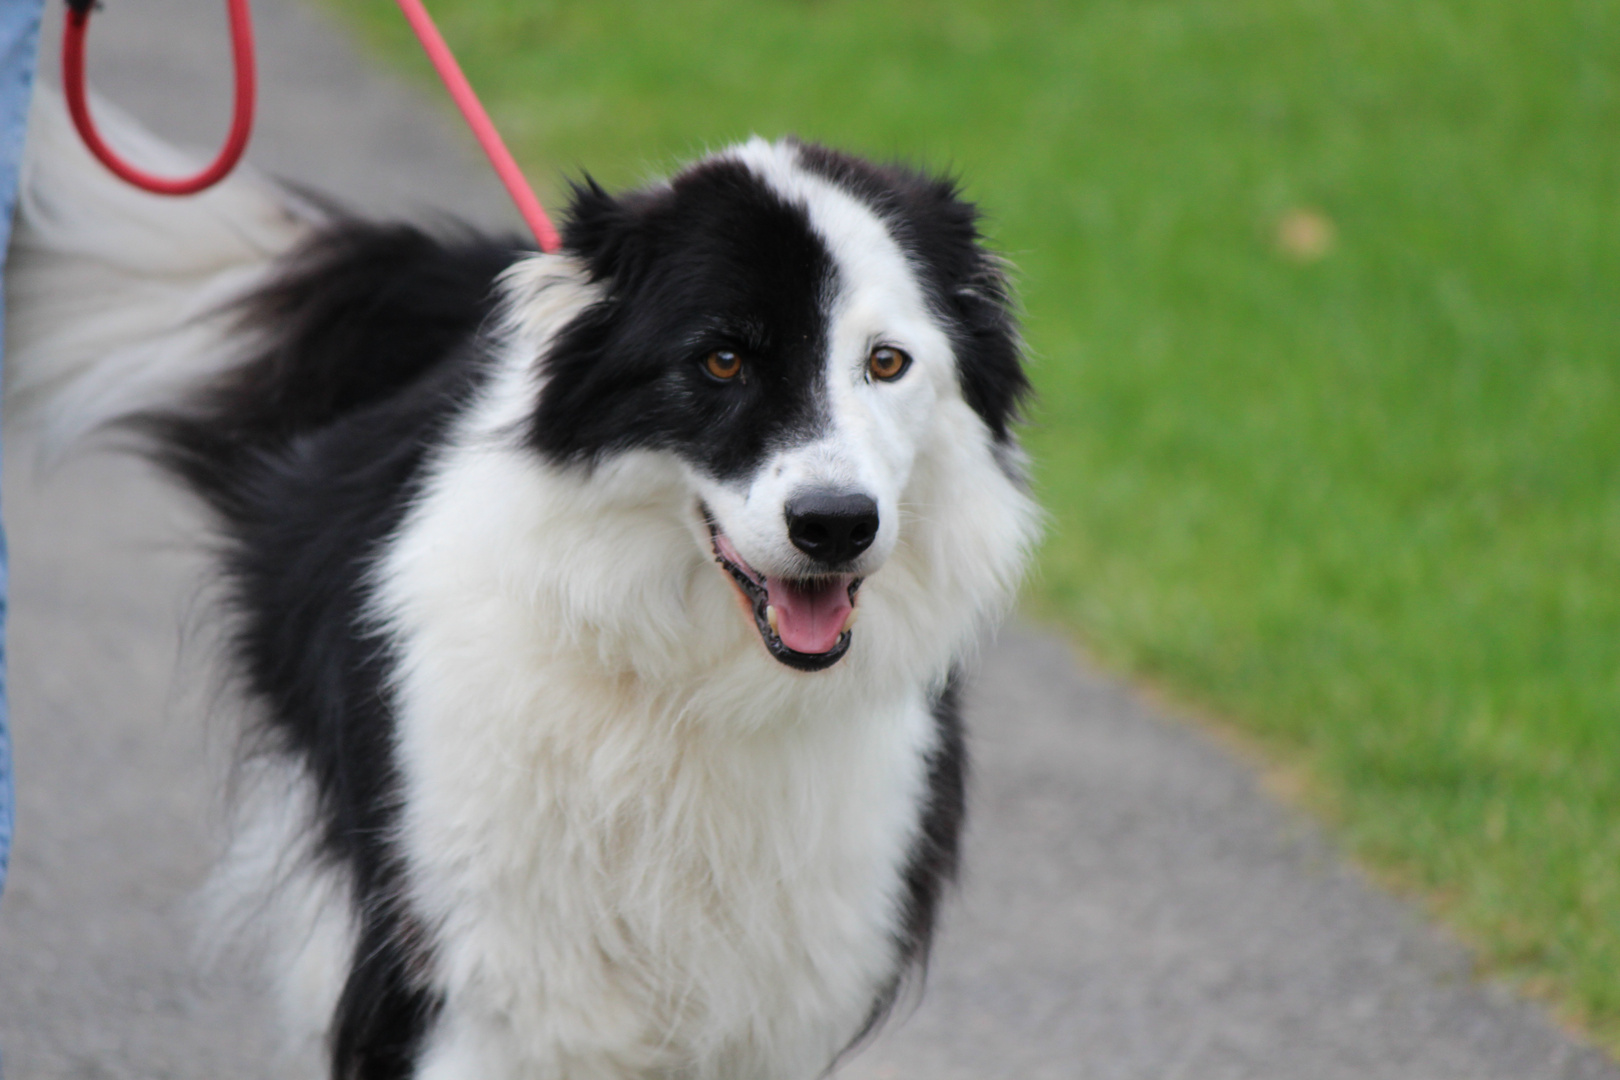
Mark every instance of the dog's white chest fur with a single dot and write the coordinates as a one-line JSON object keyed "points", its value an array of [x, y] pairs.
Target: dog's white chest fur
{"points": [[664, 903]]}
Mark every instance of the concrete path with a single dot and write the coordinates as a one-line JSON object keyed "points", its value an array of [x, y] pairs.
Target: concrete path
{"points": [[1134, 908]]}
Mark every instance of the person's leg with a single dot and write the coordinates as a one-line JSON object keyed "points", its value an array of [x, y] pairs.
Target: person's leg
{"points": [[19, 40], [19, 45]]}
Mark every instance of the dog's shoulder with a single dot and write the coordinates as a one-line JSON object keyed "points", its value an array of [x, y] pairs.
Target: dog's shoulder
{"points": [[358, 313]]}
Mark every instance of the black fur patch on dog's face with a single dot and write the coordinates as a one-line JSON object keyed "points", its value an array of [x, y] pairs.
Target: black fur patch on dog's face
{"points": [[715, 261]]}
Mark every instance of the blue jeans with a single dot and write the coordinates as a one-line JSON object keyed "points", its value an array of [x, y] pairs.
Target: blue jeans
{"points": [[19, 40]]}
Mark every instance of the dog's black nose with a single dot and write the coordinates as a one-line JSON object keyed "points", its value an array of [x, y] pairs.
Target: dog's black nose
{"points": [[832, 528]]}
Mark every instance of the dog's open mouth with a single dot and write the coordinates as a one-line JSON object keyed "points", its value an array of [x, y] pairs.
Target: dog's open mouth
{"points": [[804, 622]]}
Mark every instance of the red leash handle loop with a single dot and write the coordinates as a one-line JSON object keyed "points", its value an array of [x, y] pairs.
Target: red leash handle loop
{"points": [[461, 92], [73, 88], [483, 128]]}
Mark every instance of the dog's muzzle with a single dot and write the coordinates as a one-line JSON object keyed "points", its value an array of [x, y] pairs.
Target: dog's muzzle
{"points": [[805, 622]]}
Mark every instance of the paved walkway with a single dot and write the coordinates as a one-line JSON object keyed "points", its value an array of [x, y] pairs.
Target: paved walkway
{"points": [[1133, 909]]}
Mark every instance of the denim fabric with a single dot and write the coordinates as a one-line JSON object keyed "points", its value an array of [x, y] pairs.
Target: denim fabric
{"points": [[19, 40]]}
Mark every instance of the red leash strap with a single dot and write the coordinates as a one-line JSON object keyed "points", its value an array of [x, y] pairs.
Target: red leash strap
{"points": [[73, 88], [483, 128], [444, 62]]}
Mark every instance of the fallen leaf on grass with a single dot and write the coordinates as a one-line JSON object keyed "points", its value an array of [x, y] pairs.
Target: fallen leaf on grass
{"points": [[1305, 236]]}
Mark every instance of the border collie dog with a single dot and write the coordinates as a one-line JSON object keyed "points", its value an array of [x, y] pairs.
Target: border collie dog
{"points": [[570, 758]]}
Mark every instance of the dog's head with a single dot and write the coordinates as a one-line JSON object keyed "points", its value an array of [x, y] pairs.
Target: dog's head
{"points": [[790, 324]]}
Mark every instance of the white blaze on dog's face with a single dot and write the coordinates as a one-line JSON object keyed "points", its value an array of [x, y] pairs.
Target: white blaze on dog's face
{"points": [[786, 321]]}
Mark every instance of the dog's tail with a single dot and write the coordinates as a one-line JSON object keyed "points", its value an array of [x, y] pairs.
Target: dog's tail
{"points": [[117, 300]]}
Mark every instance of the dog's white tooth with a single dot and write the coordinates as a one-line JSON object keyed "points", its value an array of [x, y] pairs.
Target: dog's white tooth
{"points": [[770, 617], [849, 620]]}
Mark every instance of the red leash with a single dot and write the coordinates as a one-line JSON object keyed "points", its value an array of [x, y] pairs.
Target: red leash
{"points": [[78, 23], [483, 128], [444, 62]]}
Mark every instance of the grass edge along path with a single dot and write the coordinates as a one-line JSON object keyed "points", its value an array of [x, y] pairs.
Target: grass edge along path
{"points": [[1321, 301]]}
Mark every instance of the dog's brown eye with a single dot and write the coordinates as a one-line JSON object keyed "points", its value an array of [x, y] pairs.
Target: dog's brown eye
{"points": [[887, 363], [723, 364]]}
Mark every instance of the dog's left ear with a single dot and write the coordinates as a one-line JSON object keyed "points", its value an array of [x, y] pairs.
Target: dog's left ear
{"points": [[970, 284]]}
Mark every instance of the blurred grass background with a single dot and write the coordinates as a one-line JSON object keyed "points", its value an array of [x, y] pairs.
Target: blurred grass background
{"points": [[1324, 301]]}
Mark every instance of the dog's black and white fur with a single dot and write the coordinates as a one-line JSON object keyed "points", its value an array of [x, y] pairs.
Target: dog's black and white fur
{"points": [[570, 765]]}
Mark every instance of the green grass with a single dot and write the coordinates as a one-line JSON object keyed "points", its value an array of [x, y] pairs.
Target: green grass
{"points": [[1364, 506]]}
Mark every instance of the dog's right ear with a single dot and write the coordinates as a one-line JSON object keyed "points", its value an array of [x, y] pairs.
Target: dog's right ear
{"points": [[603, 231]]}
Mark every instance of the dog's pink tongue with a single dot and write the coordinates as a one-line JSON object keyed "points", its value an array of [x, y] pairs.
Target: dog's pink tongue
{"points": [[810, 614]]}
